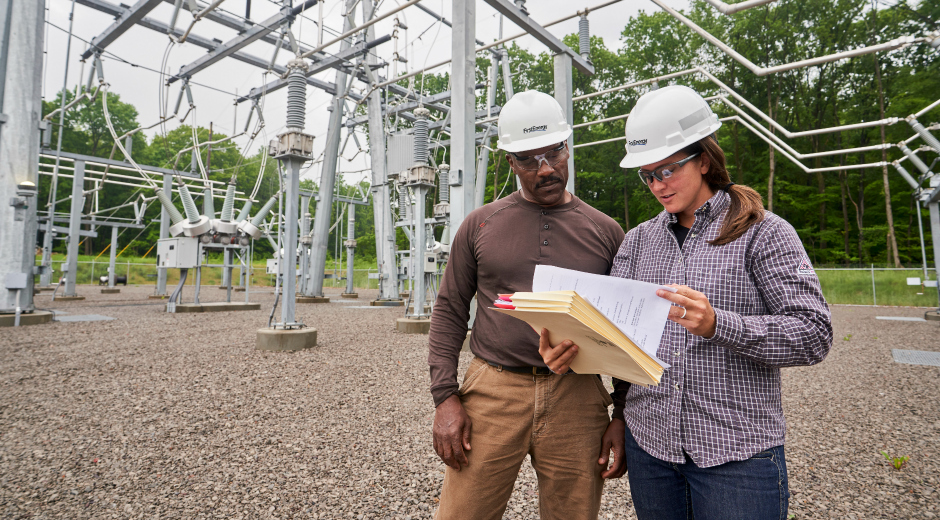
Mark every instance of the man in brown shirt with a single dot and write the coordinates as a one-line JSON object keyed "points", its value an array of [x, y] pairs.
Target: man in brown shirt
{"points": [[510, 404]]}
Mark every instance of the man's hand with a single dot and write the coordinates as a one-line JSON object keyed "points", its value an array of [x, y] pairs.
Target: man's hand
{"points": [[452, 432], [692, 310], [613, 440], [559, 357]]}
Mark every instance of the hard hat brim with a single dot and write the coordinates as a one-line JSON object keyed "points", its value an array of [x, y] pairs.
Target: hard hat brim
{"points": [[534, 143], [635, 160]]}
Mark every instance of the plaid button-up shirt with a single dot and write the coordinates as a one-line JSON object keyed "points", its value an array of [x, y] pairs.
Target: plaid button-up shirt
{"points": [[720, 399]]}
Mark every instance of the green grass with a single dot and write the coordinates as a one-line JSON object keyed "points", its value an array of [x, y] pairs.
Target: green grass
{"points": [[855, 287], [140, 271]]}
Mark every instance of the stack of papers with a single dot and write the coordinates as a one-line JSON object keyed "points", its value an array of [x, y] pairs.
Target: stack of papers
{"points": [[603, 347]]}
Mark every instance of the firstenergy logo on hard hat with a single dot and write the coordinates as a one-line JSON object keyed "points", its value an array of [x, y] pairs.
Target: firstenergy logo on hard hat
{"points": [[539, 128], [518, 134], [669, 119]]}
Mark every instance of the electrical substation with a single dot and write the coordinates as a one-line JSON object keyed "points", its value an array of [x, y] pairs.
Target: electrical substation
{"points": [[425, 158]]}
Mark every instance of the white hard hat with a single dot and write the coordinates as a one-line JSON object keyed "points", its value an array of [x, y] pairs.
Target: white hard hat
{"points": [[531, 120], [665, 121]]}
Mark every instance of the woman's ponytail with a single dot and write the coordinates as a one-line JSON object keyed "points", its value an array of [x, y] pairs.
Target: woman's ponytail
{"points": [[747, 206]]}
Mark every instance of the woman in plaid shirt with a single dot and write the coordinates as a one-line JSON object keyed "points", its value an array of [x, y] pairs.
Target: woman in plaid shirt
{"points": [[708, 442]]}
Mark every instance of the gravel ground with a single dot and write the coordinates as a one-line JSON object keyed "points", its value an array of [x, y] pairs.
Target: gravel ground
{"points": [[154, 415]]}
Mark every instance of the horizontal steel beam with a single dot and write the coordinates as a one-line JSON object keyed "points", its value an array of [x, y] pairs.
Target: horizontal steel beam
{"points": [[253, 34], [105, 223], [89, 159], [508, 9], [124, 21], [65, 231], [335, 61], [337, 198]]}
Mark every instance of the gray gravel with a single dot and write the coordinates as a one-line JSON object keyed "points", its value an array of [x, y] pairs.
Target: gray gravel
{"points": [[154, 415]]}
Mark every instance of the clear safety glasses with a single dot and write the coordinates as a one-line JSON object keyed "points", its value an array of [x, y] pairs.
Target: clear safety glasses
{"points": [[665, 171], [532, 163]]}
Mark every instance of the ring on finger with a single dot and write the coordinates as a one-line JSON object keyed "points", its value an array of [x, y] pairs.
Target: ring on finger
{"points": [[684, 312]]}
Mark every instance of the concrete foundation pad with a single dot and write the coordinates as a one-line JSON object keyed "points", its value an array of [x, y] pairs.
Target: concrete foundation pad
{"points": [[404, 294], [41, 289], [217, 307], [157, 297], [280, 340], [110, 291], [239, 289], [932, 315], [387, 303], [349, 295], [69, 298], [411, 309], [312, 299], [413, 326], [32, 318]]}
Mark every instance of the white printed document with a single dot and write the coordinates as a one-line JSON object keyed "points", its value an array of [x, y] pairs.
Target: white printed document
{"points": [[631, 305]]}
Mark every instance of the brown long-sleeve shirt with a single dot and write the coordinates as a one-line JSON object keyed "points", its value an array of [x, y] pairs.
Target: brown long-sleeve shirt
{"points": [[495, 251]]}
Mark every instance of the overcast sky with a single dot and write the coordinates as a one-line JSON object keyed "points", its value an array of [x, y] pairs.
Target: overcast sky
{"points": [[215, 87]]}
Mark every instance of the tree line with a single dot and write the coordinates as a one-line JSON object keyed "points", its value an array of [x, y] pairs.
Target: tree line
{"points": [[844, 217]]}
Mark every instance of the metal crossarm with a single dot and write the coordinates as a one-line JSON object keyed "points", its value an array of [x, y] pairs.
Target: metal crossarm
{"points": [[256, 32], [125, 20], [510, 11]]}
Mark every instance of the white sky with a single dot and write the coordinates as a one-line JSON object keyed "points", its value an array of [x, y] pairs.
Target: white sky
{"points": [[146, 48]]}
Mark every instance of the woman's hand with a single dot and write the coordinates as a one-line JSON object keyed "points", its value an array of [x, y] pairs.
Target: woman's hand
{"points": [[559, 357], [691, 309]]}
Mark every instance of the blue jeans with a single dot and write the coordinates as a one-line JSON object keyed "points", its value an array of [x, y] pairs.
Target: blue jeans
{"points": [[752, 489]]}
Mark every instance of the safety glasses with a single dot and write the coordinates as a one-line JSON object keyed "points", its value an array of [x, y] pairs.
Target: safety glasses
{"points": [[665, 171], [532, 163]]}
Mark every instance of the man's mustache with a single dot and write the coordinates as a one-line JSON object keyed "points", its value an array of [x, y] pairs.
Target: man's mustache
{"points": [[548, 180]]}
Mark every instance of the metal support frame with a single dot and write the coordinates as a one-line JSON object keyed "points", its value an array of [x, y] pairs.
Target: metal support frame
{"points": [[934, 208], [321, 223], [75, 223], [508, 9], [381, 205], [304, 249], [463, 100], [288, 263], [419, 245], [164, 232], [350, 247], [21, 45], [483, 163], [113, 259], [563, 89]]}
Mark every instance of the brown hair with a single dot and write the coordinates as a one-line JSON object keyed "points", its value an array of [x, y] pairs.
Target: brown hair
{"points": [[747, 206]]}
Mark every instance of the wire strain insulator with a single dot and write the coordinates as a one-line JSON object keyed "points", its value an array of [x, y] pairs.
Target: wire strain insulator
{"points": [[175, 216], [228, 206], [244, 213], [915, 160], [421, 135], [443, 182], [296, 95], [263, 212], [404, 204], [189, 206], [584, 37], [924, 134]]}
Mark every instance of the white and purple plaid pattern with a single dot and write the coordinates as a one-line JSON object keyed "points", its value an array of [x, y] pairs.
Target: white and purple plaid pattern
{"points": [[720, 400]]}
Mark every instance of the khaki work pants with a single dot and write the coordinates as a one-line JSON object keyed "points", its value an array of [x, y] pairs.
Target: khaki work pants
{"points": [[557, 420]]}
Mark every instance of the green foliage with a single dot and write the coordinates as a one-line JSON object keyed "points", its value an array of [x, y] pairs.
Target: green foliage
{"points": [[896, 462], [840, 215]]}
